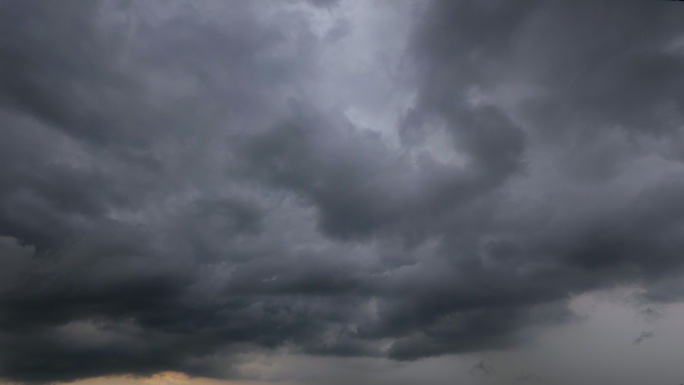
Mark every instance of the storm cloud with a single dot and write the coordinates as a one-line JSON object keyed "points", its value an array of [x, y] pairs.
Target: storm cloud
{"points": [[183, 182]]}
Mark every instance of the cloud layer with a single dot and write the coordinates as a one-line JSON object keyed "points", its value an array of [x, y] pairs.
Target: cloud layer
{"points": [[184, 182]]}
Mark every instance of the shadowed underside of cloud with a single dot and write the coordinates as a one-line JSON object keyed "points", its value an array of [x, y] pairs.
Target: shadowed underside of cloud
{"points": [[175, 191]]}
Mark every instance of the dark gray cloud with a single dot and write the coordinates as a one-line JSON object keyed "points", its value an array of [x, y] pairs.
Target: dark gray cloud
{"points": [[644, 336], [651, 314], [483, 367], [179, 185]]}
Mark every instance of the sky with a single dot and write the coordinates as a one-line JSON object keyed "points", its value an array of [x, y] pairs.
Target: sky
{"points": [[334, 192]]}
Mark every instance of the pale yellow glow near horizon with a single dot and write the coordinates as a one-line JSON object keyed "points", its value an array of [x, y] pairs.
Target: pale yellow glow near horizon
{"points": [[165, 378]]}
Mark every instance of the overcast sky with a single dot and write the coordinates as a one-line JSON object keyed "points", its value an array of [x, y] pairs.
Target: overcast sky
{"points": [[331, 192]]}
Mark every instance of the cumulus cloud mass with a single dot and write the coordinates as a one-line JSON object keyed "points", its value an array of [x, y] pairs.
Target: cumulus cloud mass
{"points": [[218, 188]]}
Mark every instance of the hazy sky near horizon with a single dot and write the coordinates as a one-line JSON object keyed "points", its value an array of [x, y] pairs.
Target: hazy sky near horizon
{"points": [[329, 192]]}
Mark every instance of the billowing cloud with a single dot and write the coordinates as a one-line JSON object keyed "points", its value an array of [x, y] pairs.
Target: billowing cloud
{"points": [[184, 183]]}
